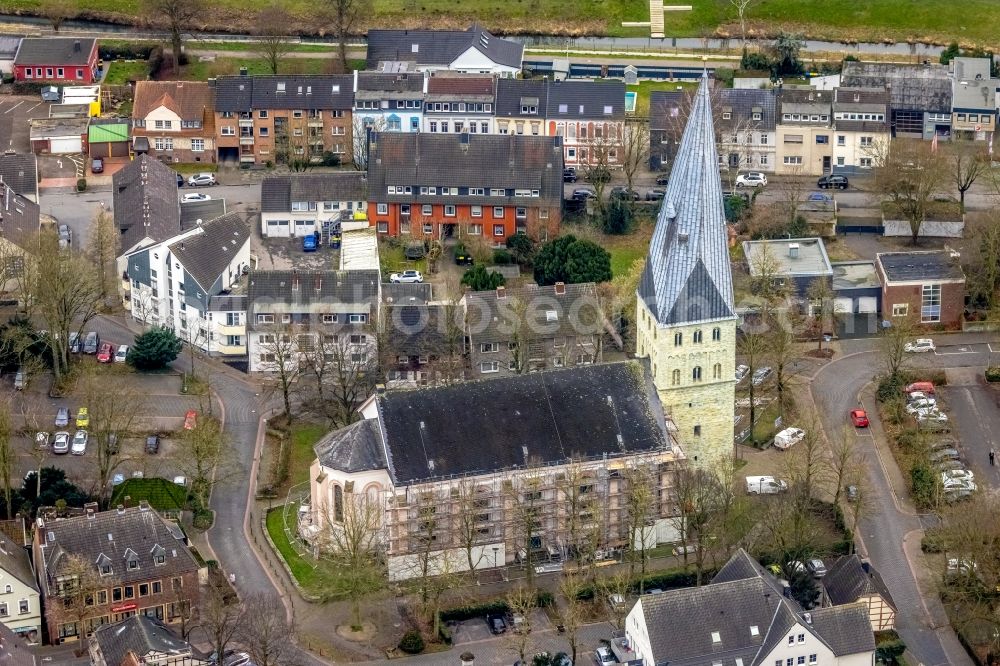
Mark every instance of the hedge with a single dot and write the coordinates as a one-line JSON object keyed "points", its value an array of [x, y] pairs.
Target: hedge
{"points": [[128, 51], [993, 373], [412, 642], [494, 607]]}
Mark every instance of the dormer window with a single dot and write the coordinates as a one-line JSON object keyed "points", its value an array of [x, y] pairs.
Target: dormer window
{"points": [[133, 564], [105, 569]]}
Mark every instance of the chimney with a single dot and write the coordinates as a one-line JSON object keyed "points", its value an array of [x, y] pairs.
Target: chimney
{"points": [[319, 283], [683, 238], [76, 46], [501, 293], [243, 71], [91, 509], [121, 509], [143, 505], [560, 288], [793, 250]]}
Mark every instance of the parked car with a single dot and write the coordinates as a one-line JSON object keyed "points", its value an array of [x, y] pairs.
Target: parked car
{"points": [[190, 420], [604, 655], [816, 567], [765, 485], [21, 379], [622, 192], [106, 354], [62, 417], [82, 417], [406, 276], [820, 197], [958, 484], [741, 372], [751, 179], [831, 181], [947, 464], [945, 454], [65, 236], [760, 375], [582, 194], [97, 165], [74, 342], [931, 416], [121, 354], [496, 624], [926, 388], [91, 343], [920, 345], [569, 175], [915, 406], [859, 418], [79, 446], [663, 179], [202, 179], [656, 194], [616, 601], [852, 493], [153, 444], [195, 196], [41, 440], [788, 438], [415, 251], [180, 180], [60, 443], [918, 395], [956, 474]]}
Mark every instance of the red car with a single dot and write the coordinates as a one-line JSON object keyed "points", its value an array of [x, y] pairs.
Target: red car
{"points": [[106, 354], [859, 418], [190, 419]]}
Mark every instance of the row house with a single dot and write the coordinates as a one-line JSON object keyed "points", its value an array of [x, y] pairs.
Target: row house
{"points": [[517, 331], [668, 111], [473, 51], [465, 185], [174, 121], [112, 565], [273, 119], [142, 640], [298, 205], [293, 314], [425, 342], [57, 60], [804, 130], [20, 602], [549, 485], [974, 99], [920, 96], [861, 125], [459, 104], [746, 129], [590, 118], [389, 102], [521, 105]]}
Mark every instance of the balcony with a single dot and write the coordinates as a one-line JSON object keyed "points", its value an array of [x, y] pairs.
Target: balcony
{"points": [[228, 350], [246, 140], [315, 122], [222, 329], [246, 122], [248, 158]]}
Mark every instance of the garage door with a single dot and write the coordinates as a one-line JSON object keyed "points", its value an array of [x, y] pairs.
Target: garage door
{"points": [[867, 305], [66, 145], [841, 305]]}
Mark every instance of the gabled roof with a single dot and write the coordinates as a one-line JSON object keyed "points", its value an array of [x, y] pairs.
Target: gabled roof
{"points": [[233, 94], [512, 94], [296, 291], [665, 107], [547, 417], [19, 218], [195, 212], [576, 311], [861, 100], [440, 47], [14, 650], [278, 192], [68, 51], [742, 103], [141, 636], [356, 448], [591, 100], [15, 562], [208, 252], [911, 87], [460, 87], [20, 172], [319, 91], [687, 277], [188, 99], [915, 266], [424, 330], [848, 579], [377, 82], [144, 196]]}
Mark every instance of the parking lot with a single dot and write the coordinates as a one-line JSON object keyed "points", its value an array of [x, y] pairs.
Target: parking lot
{"points": [[975, 419], [15, 112]]}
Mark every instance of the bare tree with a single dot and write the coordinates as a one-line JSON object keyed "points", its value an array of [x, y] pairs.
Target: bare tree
{"points": [[618, 302], [614, 589], [597, 172], [579, 529], [640, 503], [81, 591], [967, 161], [265, 631], [473, 502], [57, 11], [179, 15], [280, 349], [892, 348], [699, 498], [523, 499], [206, 457], [805, 463], [346, 17], [521, 601], [821, 298], [752, 347], [222, 616], [8, 456], [273, 43], [742, 6], [361, 127], [907, 173], [983, 263], [572, 613], [102, 250], [114, 404], [634, 148], [781, 354], [765, 282], [344, 368], [846, 463]]}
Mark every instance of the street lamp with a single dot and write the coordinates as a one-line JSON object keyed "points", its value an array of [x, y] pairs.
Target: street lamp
{"points": [[495, 549]]}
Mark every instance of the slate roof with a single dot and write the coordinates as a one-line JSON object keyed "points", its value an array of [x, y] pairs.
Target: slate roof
{"points": [[374, 85], [576, 312], [319, 91], [412, 293], [665, 106], [295, 292], [144, 197], [14, 650], [233, 94], [461, 87], [544, 418], [847, 580], [423, 330], [112, 537], [20, 172], [139, 635], [9, 46], [278, 192], [54, 51], [14, 561], [19, 218], [188, 99], [192, 211], [356, 448], [688, 278], [588, 100], [206, 254], [227, 303], [861, 100], [466, 160], [512, 93], [911, 87], [845, 629], [742, 103], [914, 266], [812, 102], [440, 47]]}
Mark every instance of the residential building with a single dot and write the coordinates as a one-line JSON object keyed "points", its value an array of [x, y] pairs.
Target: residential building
{"points": [[474, 51], [465, 185], [20, 603], [861, 128], [516, 331], [19, 171], [293, 313], [144, 559], [852, 580], [459, 104], [171, 282], [667, 116], [20, 223], [793, 263], [144, 200], [590, 118], [747, 129], [174, 121], [142, 640], [273, 119], [56, 60], [387, 103], [425, 343], [301, 204], [924, 287], [805, 132], [521, 105], [919, 95], [745, 617], [15, 650], [228, 332], [973, 98], [9, 44], [573, 445], [686, 321]]}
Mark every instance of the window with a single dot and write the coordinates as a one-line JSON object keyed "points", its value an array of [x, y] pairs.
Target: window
{"points": [[477, 211], [133, 564], [716, 334], [490, 366], [726, 115], [428, 228], [382, 209], [489, 347], [792, 159], [197, 145], [498, 212], [801, 659], [163, 124], [697, 336], [427, 209], [358, 319], [265, 319], [793, 138], [449, 211], [116, 594], [763, 139], [163, 144], [678, 339], [841, 140], [812, 659], [696, 373], [498, 230], [60, 73], [866, 162], [675, 377], [143, 589], [867, 141], [79, 74], [930, 303], [264, 131], [228, 130], [105, 569], [822, 139], [382, 227], [475, 229], [329, 319], [791, 640], [102, 596], [3, 610], [130, 592], [717, 371], [286, 318], [159, 559], [802, 638]]}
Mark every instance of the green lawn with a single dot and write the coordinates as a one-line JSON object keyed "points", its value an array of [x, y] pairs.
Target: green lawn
{"points": [[202, 70], [623, 256], [644, 88], [301, 568], [304, 435], [121, 72]]}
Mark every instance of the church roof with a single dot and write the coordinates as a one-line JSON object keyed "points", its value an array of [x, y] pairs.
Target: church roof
{"points": [[687, 278]]}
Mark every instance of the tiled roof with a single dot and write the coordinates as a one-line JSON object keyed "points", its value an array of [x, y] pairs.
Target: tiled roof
{"points": [[278, 192], [19, 218], [742, 104], [911, 87], [188, 99], [206, 254], [466, 160], [914, 266], [547, 417], [356, 448], [54, 51], [144, 195], [372, 82], [574, 312], [665, 108], [406, 293], [424, 330], [193, 212], [233, 94], [114, 537], [591, 100], [319, 91], [439, 47], [14, 650], [861, 100], [227, 303], [20, 172], [141, 636], [296, 291], [814, 102], [844, 629], [460, 87], [15, 562], [688, 276], [512, 94], [847, 580]]}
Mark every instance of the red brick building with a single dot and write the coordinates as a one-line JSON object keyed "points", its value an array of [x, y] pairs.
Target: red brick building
{"points": [[928, 288], [56, 59], [465, 185]]}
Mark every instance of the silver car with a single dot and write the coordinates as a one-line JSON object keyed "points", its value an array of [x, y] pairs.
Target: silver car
{"points": [[60, 444], [62, 417], [79, 446]]}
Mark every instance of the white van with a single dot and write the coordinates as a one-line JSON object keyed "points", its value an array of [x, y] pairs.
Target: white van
{"points": [[788, 437], [765, 485]]}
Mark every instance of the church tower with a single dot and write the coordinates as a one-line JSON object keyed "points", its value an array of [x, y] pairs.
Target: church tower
{"points": [[685, 319]]}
